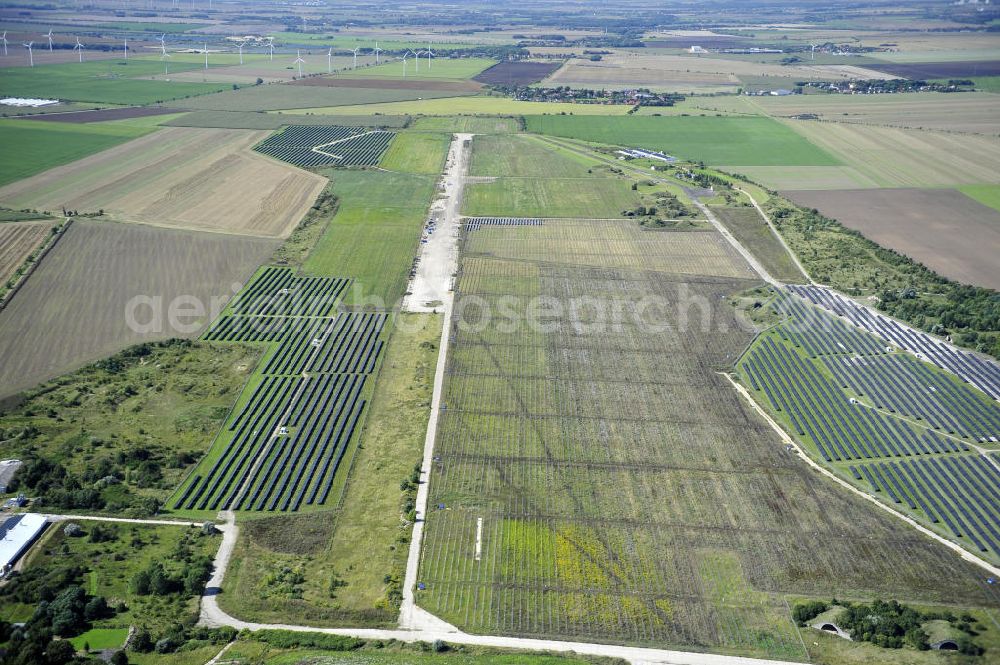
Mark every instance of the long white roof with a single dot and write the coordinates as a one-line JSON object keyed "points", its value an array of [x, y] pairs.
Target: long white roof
{"points": [[16, 532]]}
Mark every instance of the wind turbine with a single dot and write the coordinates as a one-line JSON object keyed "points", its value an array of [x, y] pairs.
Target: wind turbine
{"points": [[163, 59], [206, 56], [4, 38], [49, 35], [377, 51], [79, 48], [240, 45], [270, 47], [329, 61], [416, 56], [298, 61], [126, 48], [405, 56], [355, 52], [813, 46], [430, 54], [31, 59]]}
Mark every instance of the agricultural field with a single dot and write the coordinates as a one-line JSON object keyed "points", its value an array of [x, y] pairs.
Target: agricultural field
{"points": [[892, 157], [470, 124], [417, 152], [375, 233], [753, 232], [448, 105], [68, 314], [440, 68], [988, 195], [600, 478], [225, 68], [516, 73], [248, 120], [33, 147], [204, 179], [18, 241], [313, 146], [109, 81], [679, 73], [949, 232], [730, 141], [306, 98], [894, 425], [287, 437]]}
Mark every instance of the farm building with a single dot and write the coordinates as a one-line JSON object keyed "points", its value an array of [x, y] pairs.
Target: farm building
{"points": [[17, 534]]}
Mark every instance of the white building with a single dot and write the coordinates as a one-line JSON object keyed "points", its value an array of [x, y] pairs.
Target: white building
{"points": [[17, 534]]}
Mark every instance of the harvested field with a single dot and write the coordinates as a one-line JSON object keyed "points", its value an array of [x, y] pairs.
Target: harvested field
{"points": [[891, 157], [517, 73], [247, 120], [939, 70], [69, 313], [621, 488], [80, 117], [18, 240], [972, 112], [283, 96], [687, 73], [204, 179], [944, 229], [387, 84]]}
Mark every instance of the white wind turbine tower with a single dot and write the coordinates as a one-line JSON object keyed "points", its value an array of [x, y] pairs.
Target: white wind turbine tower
{"points": [[31, 59], [163, 58], [298, 61], [405, 56], [206, 56], [813, 46], [416, 57], [355, 52], [79, 48], [126, 48], [4, 38], [430, 54], [377, 51], [240, 45], [49, 35], [270, 47], [329, 61]]}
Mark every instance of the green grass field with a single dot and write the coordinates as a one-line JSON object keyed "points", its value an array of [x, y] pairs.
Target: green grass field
{"points": [[101, 81], [480, 105], [441, 68], [550, 197], [524, 156], [732, 141], [374, 235], [412, 152], [752, 231], [988, 195], [32, 147], [468, 123], [98, 639]]}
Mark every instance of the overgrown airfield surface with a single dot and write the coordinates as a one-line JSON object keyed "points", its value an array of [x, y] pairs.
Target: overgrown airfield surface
{"points": [[188, 178], [73, 308]]}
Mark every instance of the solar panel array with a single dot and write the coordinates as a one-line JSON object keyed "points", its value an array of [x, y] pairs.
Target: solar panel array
{"points": [[982, 373], [476, 223], [310, 146], [286, 440], [903, 428]]}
